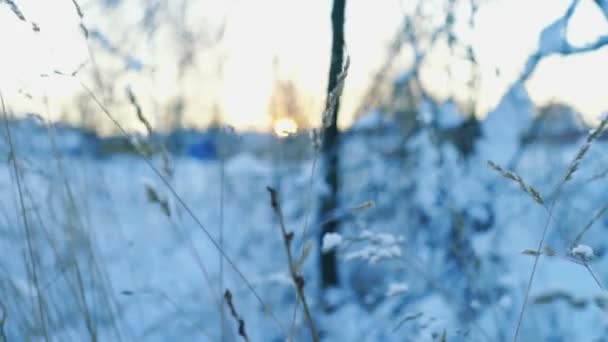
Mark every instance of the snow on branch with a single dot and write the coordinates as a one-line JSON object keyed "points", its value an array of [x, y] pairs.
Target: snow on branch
{"points": [[603, 6], [553, 39]]}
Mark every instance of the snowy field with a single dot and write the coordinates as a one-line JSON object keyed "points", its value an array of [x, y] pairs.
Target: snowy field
{"points": [[434, 245]]}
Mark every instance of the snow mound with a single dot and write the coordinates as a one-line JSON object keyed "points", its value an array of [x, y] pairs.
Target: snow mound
{"points": [[331, 241]]}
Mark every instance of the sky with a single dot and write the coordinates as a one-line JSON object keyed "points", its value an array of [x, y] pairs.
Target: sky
{"points": [[266, 40]]}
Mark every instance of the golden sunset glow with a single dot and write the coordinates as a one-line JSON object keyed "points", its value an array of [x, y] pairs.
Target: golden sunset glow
{"points": [[297, 35], [285, 127]]}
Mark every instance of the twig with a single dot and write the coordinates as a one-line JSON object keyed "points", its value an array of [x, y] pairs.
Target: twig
{"points": [[237, 318], [19, 14], [297, 278], [83, 28]]}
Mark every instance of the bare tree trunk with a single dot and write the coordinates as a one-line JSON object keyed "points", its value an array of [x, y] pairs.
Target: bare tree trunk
{"points": [[330, 147]]}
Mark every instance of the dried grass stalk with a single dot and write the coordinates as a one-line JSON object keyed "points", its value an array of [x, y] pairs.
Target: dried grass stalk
{"points": [[528, 189], [241, 323]]}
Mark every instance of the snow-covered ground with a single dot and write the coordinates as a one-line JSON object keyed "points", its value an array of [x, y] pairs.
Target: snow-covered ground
{"points": [[430, 243]]}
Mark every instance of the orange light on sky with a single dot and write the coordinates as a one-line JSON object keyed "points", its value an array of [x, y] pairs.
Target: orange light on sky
{"points": [[297, 34], [285, 127]]}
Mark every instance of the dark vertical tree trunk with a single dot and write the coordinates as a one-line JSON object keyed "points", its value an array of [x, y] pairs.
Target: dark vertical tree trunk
{"points": [[329, 148]]}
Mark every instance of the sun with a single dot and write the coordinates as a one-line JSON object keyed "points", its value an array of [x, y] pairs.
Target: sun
{"points": [[284, 127]]}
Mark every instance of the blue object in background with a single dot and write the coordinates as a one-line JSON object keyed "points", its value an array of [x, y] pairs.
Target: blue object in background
{"points": [[203, 150]]}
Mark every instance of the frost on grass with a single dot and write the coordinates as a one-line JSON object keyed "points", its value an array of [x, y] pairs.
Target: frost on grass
{"points": [[379, 246], [533, 193], [373, 254], [380, 238], [582, 252], [331, 241]]}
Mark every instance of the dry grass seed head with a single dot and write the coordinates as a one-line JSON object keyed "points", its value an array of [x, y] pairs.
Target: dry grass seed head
{"points": [[594, 134], [528, 189]]}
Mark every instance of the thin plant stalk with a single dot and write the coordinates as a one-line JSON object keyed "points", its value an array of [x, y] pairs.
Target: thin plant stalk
{"points": [[570, 171], [297, 279], [26, 224], [221, 242]]}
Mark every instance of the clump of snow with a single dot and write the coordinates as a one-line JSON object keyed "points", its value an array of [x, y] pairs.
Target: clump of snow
{"points": [[582, 252], [331, 241], [379, 246], [396, 288]]}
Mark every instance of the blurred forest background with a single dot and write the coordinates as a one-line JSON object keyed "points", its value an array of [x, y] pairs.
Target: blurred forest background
{"points": [[194, 62]]}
